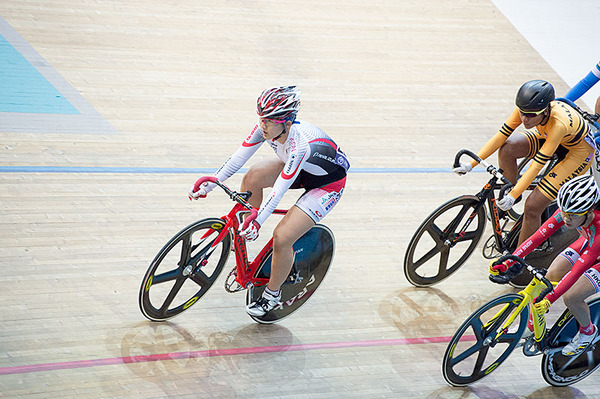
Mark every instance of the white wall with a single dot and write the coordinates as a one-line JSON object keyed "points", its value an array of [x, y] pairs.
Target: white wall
{"points": [[565, 33]]}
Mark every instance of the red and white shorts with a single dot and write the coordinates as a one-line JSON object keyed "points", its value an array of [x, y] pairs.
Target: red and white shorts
{"points": [[318, 202]]}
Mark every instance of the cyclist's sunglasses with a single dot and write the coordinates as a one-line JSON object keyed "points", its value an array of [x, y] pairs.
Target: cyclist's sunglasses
{"points": [[574, 214], [272, 120], [530, 114]]}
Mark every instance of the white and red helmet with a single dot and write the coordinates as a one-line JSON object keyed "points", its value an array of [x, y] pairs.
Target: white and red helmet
{"points": [[578, 195], [279, 103]]}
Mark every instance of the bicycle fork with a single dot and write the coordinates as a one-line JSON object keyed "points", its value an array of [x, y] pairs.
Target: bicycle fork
{"points": [[539, 319], [492, 340], [463, 229], [190, 269]]}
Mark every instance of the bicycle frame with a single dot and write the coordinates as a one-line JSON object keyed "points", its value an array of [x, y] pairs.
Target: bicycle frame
{"points": [[486, 197], [530, 292], [195, 257], [465, 362], [245, 269], [487, 191], [538, 288]]}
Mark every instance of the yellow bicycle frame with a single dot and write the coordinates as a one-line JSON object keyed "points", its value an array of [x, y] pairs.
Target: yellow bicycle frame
{"points": [[528, 294]]}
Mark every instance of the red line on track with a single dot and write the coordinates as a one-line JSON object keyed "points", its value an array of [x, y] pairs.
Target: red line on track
{"points": [[219, 352]]}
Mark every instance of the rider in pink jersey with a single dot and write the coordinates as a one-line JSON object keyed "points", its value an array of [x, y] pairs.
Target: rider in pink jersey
{"points": [[307, 158], [578, 266]]}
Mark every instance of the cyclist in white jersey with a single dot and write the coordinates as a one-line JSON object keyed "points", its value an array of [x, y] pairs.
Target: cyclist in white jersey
{"points": [[307, 158]]}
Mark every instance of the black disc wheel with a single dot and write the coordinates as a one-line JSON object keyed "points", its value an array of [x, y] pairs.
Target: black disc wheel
{"points": [[474, 351], [441, 244], [313, 254], [560, 370], [184, 269]]}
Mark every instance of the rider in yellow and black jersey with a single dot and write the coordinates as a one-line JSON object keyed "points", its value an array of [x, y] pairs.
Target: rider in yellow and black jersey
{"points": [[553, 127]]}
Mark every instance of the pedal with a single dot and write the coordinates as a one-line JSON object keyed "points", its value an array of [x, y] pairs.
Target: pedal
{"points": [[231, 285], [531, 347], [551, 351]]}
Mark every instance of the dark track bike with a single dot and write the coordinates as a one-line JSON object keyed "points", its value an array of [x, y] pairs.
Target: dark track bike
{"points": [[487, 337], [190, 263], [449, 235]]}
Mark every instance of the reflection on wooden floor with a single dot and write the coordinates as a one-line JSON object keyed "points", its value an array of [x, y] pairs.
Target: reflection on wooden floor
{"points": [[399, 85]]}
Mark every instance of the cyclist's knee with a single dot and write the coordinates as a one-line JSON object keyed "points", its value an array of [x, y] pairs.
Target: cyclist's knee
{"points": [[261, 175], [507, 152], [288, 231], [535, 204], [572, 298], [258, 178], [252, 176], [533, 210], [283, 238], [514, 148]]}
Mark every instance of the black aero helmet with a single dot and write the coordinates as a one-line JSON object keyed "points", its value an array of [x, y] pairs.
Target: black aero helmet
{"points": [[535, 95]]}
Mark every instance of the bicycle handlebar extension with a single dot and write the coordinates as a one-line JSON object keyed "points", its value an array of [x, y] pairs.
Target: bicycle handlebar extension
{"points": [[489, 168], [537, 273], [233, 195]]}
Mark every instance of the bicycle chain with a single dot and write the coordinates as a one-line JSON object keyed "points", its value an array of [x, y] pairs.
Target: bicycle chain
{"points": [[231, 285]]}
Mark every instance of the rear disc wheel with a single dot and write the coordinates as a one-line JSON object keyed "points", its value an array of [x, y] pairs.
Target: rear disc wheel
{"points": [[559, 370], [313, 254]]}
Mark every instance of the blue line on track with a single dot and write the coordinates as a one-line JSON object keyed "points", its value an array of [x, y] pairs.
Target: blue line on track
{"points": [[150, 170]]}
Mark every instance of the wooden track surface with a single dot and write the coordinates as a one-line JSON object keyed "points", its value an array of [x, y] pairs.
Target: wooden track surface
{"points": [[398, 84]]}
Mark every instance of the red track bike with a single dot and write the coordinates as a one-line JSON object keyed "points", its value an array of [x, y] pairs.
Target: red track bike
{"points": [[190, 263]]}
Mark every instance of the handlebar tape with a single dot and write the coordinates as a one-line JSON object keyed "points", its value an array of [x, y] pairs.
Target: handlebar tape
{"points": [[250, 218], [204, 179]]}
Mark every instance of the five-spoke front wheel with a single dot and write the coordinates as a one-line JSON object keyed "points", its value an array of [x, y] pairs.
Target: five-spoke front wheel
{"points": [[184, 269], [476, 349], [440, 245]]}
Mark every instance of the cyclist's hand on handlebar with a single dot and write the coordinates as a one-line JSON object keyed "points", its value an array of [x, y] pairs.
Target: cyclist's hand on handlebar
{"points": [[200, 190], [201, 193], [542, 306], [506, 202], [498, 269], [502, 273], [251, 232], [463, 169]]}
